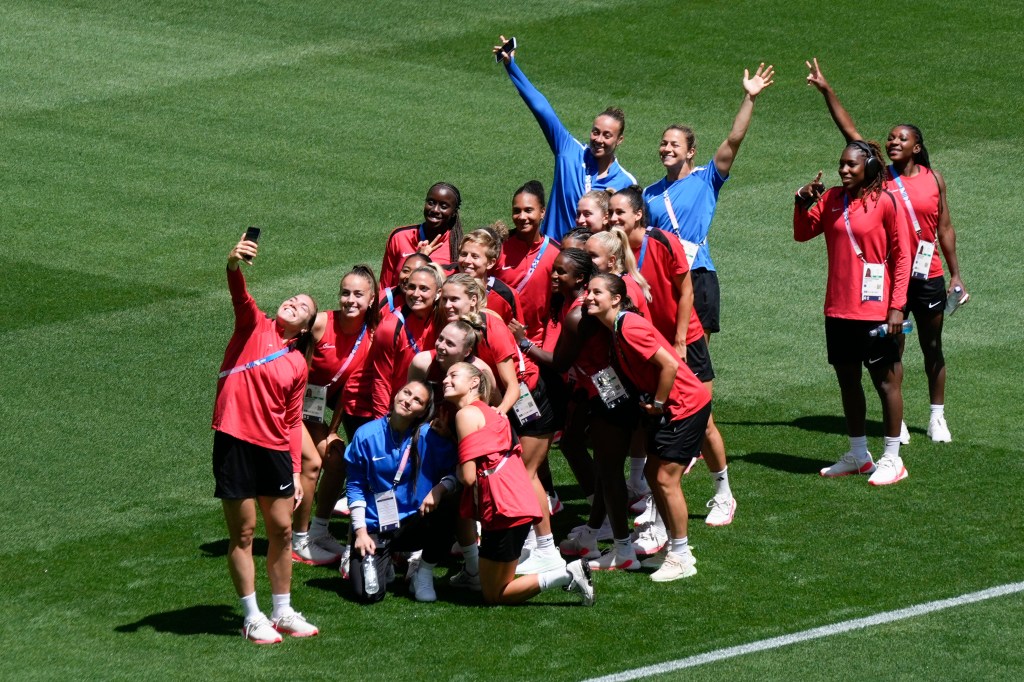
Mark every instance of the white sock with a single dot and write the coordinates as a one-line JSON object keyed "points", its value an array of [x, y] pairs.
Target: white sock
{"points": [[471, 556], [427, 566], [937, 411], [636, 470], [298, 538], [546, 542], [892, 446], [531, 538], [679, 545], [721, 479], [282, 605], [249, 606], [318, 524], [623, 544], [859, 446], [556, 577]]}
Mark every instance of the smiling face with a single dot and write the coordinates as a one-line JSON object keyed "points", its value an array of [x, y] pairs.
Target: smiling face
{"points": [[421, 292], [590, 215], [296, 314], [621, 213], [451, 346], [605, 137], [902, 144], [851, 168], [411, 263], [459, 382], [355, 296], [455, 301], [674, 149], [412, 401], [473, 260], [600, 301], [527, 214], [439, 208], [563, 276], [604, 260]]}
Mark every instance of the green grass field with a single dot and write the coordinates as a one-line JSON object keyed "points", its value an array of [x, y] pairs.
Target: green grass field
{"points": [[139, 139]]}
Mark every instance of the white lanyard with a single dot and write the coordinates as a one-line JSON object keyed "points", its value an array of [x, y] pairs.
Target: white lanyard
{"points": [[533, 266], [408, 334], [348, 360], [849, 230], [255, 363], [906, 200]]}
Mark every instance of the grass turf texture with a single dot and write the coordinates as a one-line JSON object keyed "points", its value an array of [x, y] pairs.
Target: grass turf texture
{"points": [[141, 139]]}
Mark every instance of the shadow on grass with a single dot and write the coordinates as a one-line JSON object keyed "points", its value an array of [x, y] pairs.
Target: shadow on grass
{"points": [[819, 423], [206, 619], [398, 590], [782, 462], [219, 548]]}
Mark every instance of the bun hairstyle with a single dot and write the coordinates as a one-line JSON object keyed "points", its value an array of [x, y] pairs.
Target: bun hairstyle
{"points": [[635, 194], [579, 234], [920, 158], [472, 287], [372, 318], [490, 238], [472, 333], [616, 287], [619, 115], [455, 225], [485, 388], [873, 175], [616, 242], [534, 188]]}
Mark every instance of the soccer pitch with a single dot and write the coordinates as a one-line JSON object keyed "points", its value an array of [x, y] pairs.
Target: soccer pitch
{"points": [[141, 138]]}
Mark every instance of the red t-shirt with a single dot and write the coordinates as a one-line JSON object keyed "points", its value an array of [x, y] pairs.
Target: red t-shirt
{"points": [[496, 344], [635, 343], [636, 295], [392, 353], [923, 191], [503, 300], [883, 236], [333, 352], [662, 263], [262, 405], [517, 259], [388, 306], [402, 244], [505, 498]]}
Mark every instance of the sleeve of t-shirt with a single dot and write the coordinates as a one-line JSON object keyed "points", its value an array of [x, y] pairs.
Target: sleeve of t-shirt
{"points": [[641, 337], [501, 341], [807, 222], [899, 230], [554, 132], [293, 417], [680, 266], [246, 310], [390, 266], [382, 363], [439, 454], [712, 176], [356, 457]]}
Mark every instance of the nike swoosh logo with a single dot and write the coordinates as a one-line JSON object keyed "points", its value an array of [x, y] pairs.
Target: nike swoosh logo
{"points": [[836, 210], [506, 267], [933, 305], [377, 459], [875, 361], [406, 255], [327, 346], [285, 486]]}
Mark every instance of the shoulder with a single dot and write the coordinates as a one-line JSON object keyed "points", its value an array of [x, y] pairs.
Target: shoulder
{"points": [[660, 237], [323, 320], [654, 189], [404, 232], [468, 420]]}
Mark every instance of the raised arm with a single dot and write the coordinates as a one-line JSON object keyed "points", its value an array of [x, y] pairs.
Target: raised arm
{"points": [[752, 86], [839, 114], [554, 132]]}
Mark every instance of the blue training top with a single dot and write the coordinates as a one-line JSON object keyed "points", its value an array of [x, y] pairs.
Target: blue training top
{"points": [[575, 166], [693, 201], [373, 457]]}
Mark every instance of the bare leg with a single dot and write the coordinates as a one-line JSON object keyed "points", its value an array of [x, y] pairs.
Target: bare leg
{"points": [[500, 585], [888, 381], [535, 451], [854, 406], [240, 516], [929, 333], [310, 475], [664, 478], [277, 517]]}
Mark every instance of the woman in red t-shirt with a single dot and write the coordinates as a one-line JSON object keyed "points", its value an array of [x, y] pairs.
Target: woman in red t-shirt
{"points": [[479, 253], [610, 252], [497, 492], [677, 408], [257, 422], [393, 298], [922, 192], [438, 236], [338, 378], [868, 271]]}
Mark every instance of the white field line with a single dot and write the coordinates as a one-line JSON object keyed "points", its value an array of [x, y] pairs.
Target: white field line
{"points": [[815, 633]]}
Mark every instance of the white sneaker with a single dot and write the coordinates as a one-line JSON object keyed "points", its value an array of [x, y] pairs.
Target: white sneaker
{"points": [[582, 582], [849, 464], [722, 510], [604, 533], [649, 514], [650, 540], [904, 434], [323, 539], [260, 630], [465, 581], [296, 625], [343, 565], [341, 507], [583, 545], [938, 431], [423, 584], [308, 552], [890, 470], [540, 561], [675, 566], [617, 559], [554, 504]]}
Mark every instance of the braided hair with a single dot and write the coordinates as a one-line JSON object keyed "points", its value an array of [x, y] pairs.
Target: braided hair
{"points": [[455, 226], [874, 185]]}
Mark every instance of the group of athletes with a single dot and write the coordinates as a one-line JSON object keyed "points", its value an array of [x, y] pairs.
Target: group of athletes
{"points": [[426, 404]]}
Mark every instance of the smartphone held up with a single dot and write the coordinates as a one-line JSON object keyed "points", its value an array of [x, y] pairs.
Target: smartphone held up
{"points": [[252, 234]]}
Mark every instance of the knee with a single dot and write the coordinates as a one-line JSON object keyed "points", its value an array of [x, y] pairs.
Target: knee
{"points": [[242, 537]]}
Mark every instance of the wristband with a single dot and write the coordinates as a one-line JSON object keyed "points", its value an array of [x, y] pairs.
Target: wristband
{"points": [[358, 517], [449, 483]]}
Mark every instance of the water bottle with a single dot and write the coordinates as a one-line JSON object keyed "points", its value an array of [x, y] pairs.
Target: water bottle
{"points": [[956, 299], [883, 329], [370, 585]]}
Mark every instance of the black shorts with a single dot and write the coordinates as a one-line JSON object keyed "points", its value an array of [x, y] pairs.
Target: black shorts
{"points": [[926, 297], [557, 393], [625, 415], [698, 359], [849, 343], [707, 299], [243, 470], [677, 441], [546, 423], [504, 545]]}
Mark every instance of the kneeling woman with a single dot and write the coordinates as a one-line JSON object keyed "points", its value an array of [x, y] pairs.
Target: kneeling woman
{"points": [[677, 406], [399, 471], [498, 493]]}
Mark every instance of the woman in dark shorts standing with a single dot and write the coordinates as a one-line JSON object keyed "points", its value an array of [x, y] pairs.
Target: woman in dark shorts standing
{"points": [[257, 422]]}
